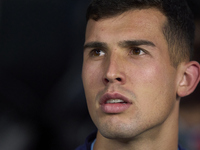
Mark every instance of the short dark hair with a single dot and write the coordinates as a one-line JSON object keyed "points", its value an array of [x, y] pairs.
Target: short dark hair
{"points": [[178, 30]]}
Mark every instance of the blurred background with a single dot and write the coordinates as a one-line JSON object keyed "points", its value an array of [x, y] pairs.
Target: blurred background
{"points": [[42, 103]]}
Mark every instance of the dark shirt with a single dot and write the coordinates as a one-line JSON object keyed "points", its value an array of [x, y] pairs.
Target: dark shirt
{"points": [[92, 137], [88, 142]]}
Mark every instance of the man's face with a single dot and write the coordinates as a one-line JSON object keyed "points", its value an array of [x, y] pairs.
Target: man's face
{"points": [[129, 83]]}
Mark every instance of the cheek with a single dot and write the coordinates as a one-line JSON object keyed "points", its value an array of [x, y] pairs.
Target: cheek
{"points": [[160, 90], [88, 81], [153, 84], [154, 89], [91, 75]]}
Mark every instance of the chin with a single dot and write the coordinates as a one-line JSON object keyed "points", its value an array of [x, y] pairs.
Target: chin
{"points": [[125, 137], [118, 132]]}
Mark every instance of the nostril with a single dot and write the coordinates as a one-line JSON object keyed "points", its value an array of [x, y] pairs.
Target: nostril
{"points": [[119, 79], [106, 80]]}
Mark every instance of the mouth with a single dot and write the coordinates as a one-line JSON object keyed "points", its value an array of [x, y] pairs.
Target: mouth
{"points": [[114, 103]]}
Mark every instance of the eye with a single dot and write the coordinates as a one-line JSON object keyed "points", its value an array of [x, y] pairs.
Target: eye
{"points": [[97, 53], [137, 51]]}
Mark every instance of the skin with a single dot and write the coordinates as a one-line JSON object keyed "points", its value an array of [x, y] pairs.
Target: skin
{"points": [[128, 55]]}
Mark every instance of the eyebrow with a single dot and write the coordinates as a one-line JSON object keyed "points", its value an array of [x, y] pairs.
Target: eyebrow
{"points": [[95, 45], [125, 43], [128, 43]]}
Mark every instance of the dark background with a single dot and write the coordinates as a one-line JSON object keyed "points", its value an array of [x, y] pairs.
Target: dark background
{"points": [[42, 103]]}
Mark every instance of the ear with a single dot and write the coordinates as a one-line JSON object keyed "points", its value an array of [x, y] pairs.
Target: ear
{"points": [[190, 78]]}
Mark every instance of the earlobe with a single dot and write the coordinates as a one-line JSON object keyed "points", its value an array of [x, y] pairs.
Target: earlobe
{"points": [[190, 79]]}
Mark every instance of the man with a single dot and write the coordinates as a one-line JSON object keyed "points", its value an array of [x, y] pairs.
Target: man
{"points": [[137, 66]]}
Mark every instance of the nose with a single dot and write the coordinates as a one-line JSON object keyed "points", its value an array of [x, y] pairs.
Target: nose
{"points": [[114, 71]]}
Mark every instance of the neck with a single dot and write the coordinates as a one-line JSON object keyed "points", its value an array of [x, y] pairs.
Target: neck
{"points": [[163, 136]]}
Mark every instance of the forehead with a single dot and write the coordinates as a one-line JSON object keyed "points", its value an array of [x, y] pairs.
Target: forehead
{"points": [[134, 24]]}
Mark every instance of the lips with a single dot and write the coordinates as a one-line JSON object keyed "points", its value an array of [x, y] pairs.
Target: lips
{"points": [[114, 103]]}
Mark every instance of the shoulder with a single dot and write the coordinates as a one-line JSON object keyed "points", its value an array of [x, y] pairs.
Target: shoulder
{"points": [[88, 142], [180, 148]]}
